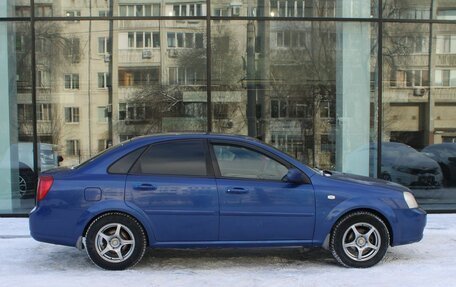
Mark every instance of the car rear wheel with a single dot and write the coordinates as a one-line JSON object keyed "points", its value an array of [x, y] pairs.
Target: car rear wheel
{"points": [[115, 241], [359, 240]]}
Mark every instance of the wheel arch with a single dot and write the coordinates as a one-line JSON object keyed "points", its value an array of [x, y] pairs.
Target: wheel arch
{"points": [[370, 210], [86, 227], [113, 207]]}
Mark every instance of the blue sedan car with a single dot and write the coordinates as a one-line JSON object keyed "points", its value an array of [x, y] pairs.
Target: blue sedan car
{"points": [[208, 190]]}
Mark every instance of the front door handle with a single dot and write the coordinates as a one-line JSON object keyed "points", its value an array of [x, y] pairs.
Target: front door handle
{"points": [[237, 190], [144, 186]]}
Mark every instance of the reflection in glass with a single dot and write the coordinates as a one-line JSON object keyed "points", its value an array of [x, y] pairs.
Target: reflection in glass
{"points": [[278, 81]]}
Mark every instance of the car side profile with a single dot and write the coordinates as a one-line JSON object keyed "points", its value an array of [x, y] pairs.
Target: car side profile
{"points": [[209, 190]]}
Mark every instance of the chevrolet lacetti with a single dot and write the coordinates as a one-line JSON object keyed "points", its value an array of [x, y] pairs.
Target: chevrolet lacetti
{"points": [[209, 190]]}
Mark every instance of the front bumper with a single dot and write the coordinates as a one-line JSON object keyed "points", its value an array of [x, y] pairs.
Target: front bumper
{"points": [[409, 226]]}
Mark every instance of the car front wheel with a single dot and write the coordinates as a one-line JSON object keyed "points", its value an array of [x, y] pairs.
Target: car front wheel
{"points": [[115, 241], [359, 240]]}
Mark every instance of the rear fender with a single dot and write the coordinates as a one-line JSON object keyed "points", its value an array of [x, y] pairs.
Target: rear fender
{"points": [[113, 206]]}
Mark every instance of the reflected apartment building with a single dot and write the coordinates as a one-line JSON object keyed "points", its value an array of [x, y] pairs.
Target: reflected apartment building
{"points": [[323, 80]]}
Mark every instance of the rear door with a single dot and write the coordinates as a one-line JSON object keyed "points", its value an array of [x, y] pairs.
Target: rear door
{"points": [[256, 204], [173, 183]]}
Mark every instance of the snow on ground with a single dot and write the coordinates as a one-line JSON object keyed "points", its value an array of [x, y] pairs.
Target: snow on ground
{"points": [[431, 262]]}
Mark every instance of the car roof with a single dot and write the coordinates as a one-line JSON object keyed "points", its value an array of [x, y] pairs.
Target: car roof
{"points": [[174, 136]]}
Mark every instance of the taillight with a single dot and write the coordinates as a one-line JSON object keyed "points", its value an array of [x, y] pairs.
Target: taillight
{"points": [[44, 185]]}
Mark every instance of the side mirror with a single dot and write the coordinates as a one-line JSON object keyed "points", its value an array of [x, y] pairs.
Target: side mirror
{"points": [[295, 176], [59, 158]]}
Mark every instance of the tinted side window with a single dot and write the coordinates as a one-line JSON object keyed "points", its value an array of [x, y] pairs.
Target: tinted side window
{"points": [[124, 164], [174, 158], [235, 161]]}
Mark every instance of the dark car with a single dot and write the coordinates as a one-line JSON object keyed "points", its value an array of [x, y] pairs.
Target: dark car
{"points": [[403, 164], [208, 190], [445, 155]]}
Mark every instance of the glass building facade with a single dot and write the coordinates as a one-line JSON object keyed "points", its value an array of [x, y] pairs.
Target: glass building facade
{"points": [[356, 86]]}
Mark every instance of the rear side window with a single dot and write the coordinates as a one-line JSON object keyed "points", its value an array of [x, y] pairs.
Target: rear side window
{"points": [[174, 158], [124, 164]]}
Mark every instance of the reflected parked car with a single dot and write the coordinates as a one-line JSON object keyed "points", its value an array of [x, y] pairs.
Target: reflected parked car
{"points": [[403, 164], [445, 155], [208, 190], [48, 159]]}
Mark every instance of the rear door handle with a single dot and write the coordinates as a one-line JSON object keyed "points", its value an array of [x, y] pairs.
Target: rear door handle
{"points": [[237, 190], [144, 186]]}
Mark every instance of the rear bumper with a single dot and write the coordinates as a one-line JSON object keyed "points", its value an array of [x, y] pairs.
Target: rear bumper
{"points": [[42, 228], [410, 226]]}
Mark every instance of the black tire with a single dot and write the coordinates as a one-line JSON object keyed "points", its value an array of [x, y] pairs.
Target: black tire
{"points": [[105, 226], [375, 244], [387, 177], [27, 183]]}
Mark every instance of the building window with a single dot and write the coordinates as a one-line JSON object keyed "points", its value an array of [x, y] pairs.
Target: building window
{"points": [[410, 78], [139, 10], [22, 11], [185, 40], [292, 39], [279, 108], [72, 148], [24, 112], [73, 13], [195, 109], [43, 10], [103, 13], [72, 115], [221, 110], [292, 8], [43, 112], [445, 78], [186, 76], [132, 112], [102, 116], [129, 77], [327, 110], [42, 79], [446, 44], [104, 45], [141, 40], [72, 81], [190, 9], [72, 50], [103, 80]]}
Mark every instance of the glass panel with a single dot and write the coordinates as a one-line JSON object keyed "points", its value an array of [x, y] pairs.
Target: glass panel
{"points": [[445, 10], [292, 86], [407, 9], [15, 8], [17, 173], [418, 113], [295, 8]]}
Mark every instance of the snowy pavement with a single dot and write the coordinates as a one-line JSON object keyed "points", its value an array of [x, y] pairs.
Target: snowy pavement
{"points": [[431, 262]]}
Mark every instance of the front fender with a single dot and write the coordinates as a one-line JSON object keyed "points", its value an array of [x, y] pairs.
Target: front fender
{"points": [[113, 206], [327, 217]]}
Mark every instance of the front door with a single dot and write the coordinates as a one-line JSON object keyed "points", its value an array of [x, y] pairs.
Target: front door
{"points": [[256, 204], [174, 186]]}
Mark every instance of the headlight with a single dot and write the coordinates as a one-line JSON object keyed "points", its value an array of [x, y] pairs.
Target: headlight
{"points": [[410, 200]]}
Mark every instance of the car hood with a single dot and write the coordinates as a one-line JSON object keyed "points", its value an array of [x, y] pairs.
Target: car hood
{"points": [[366, 181]]}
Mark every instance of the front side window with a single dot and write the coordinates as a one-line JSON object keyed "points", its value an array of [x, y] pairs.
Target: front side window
{"points": [[186, 158], [241, 162]]}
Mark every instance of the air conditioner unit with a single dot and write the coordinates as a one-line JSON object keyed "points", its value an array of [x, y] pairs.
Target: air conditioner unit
{"points": [[419, 92], [173, 53], [107, 58], [147, 54]]}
